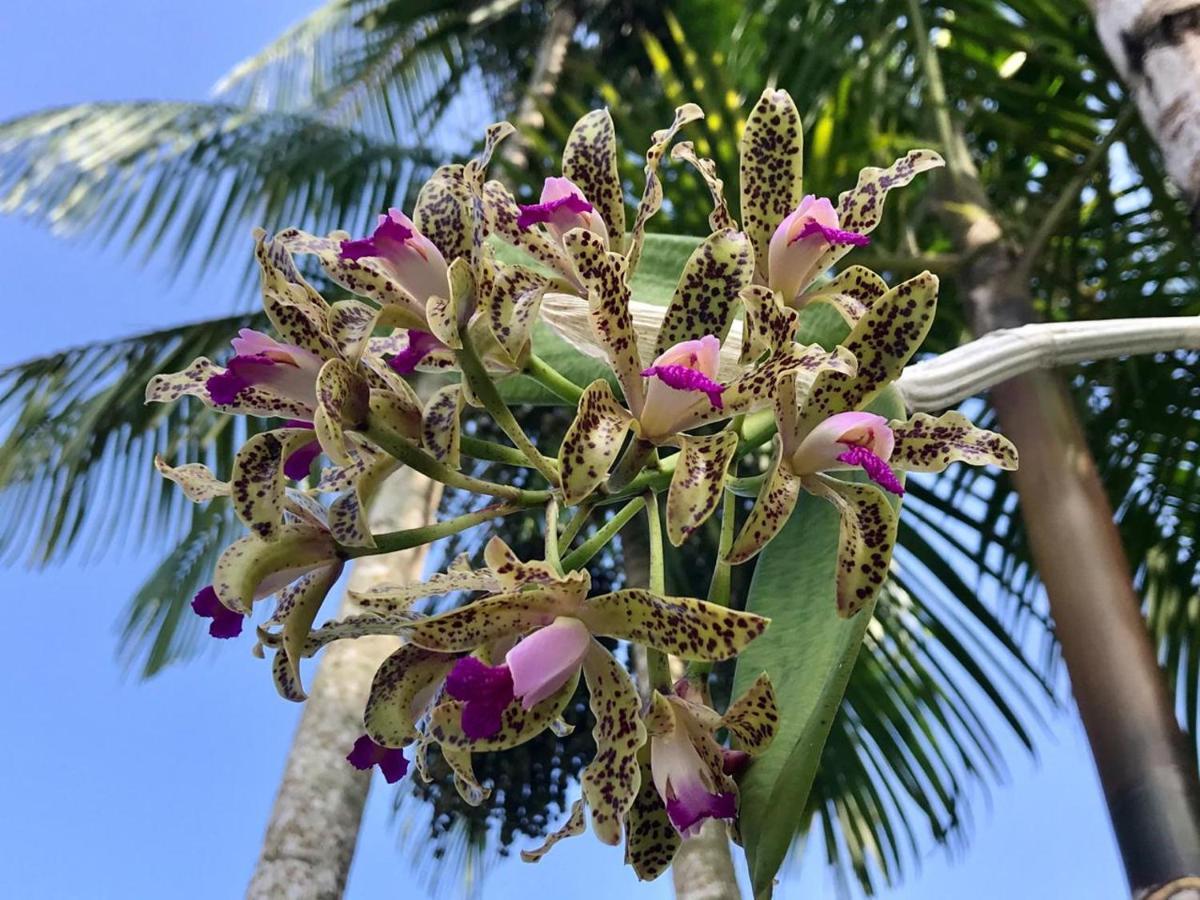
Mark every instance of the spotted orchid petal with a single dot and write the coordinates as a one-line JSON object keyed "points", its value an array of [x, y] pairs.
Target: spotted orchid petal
{"points": [[501, 215], [929, 444], [258, 482], [753, 718], [851, 292], [343, 400], [443, 212], [402, 688], [348, 513], [681, 626], [445, 311], [303, 598], [387, 599], [367, 754], [704, 303], [772, 508], [196, 480], [226, 623], [682, 379], [478, 624], [248, 562], [769, 326], [592, 442], [347, 628], [800, 242], [575, 825], [440, 424], [590, 161], [772, 168], [720, 218], [296, 310], [652, 193], [351, 323], [651, 841], [698, 482], [603, 275], [882, 342], [690, 788], [511, 574], [249, 401], [397, 410], [860, 209], [865, 539], [611, 781], [517, 724], [512, 307]]}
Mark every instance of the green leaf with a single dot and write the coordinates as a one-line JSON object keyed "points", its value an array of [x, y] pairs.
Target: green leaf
{"points": [[809, 652]]}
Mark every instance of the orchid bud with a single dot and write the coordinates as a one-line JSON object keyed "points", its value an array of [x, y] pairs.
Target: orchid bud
{"points": [[797, 245], [411, 259]]}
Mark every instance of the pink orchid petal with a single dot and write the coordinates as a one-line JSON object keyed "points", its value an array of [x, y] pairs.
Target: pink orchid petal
{"points": [[544, 661], [796, 247], [680, 372], [821, 447], [410, 258]]}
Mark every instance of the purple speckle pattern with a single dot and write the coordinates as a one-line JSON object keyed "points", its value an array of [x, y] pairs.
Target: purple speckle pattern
{"points": [[877, 469], [225, 622], [486, 692], [831, 235], [367, 753], [389, 230], [420, 345], [534, 213], [683, 378]]}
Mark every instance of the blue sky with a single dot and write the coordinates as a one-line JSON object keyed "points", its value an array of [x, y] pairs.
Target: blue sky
{"points": [[119, 788]]}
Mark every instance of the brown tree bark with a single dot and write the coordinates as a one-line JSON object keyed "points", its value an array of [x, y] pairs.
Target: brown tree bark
{"points": [[314, 824]]}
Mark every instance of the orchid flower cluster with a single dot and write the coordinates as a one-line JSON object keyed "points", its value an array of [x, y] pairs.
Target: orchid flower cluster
{"points": [[686, 402]]}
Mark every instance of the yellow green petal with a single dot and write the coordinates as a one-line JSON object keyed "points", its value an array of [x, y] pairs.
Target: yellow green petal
{"points": [[592, 442], [927, 443], [590, 161], [258, 483], [440, 424], [511, 574], [851, 292], [753, 718], [652, 193], [196, 480], [772, 169], [720, 218], [574, 825], [303, 599], [698, 482], [343, 399], [768, 326], [718, 270], [389, 716], [483, 621], [350, 325], [651, 841], [443, 212], [247, 561], [193, 382], [772, 508]]}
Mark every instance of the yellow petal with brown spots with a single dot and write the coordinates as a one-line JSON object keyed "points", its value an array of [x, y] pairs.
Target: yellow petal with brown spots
{"points": [[258, 483], [652, 193], [929, 444], [247, 561], [476, 624], [753, 718], [651, 841], [705, 298], [400, 681], [720, 218], [698, 482], [443, 212], [441, 424], [575, 824], [769, 324], [852, 292], [198, 482], [590, 160], [592, 442], [772, 169], [193, 382], [772, 508]]}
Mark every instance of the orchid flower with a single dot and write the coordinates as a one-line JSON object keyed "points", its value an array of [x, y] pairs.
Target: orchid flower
{"points": [[366, 754], [830, 432], [798, 236]]}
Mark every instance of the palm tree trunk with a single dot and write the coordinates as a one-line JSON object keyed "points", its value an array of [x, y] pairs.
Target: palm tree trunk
{"points": [[313, 830], [543, 81], [1148, 777], [1155, 45]]}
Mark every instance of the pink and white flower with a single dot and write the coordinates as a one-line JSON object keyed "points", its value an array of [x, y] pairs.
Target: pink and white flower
{"points": [[796, 248], [410, 258]]}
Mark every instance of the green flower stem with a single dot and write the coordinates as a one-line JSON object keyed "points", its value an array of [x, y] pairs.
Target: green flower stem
{"points": [[415, 537], [658, 669], [579, 557], [485, 389], [549, 378], [638, 455], [745, 487], [416, 458], [571, 529], [552, 556], [493, 452]]}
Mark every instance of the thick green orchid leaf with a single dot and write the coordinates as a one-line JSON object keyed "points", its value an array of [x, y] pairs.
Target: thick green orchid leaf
{"points": [[768, 324], [772, 169], [399, 692], [603, 273], [753, 718], [246, 562], [883, 341], [575, 825], [706, 296], [861, 208], [258, 483], [441, 424], [196, 480], [851, 292], [698, 482], [443, 212], [808, 652], [350, 325], [590, 160], [517, 724], [611, 780], [303, 599], [652, 193], [720, 218], [592, 442], [343, 399], [386, 599], [476, 624], [193, 382], [681, 626], [927, 443], [772, 508], [651, 841]]}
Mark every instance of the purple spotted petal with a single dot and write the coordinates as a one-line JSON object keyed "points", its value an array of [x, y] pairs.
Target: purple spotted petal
{"points": [[689, 808], [388, 231], [367, 753], [534, 213], [299, 462], [420, 345], [486, 692], [225, 622], [877, 469], [683, 378], [832, 235]]}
